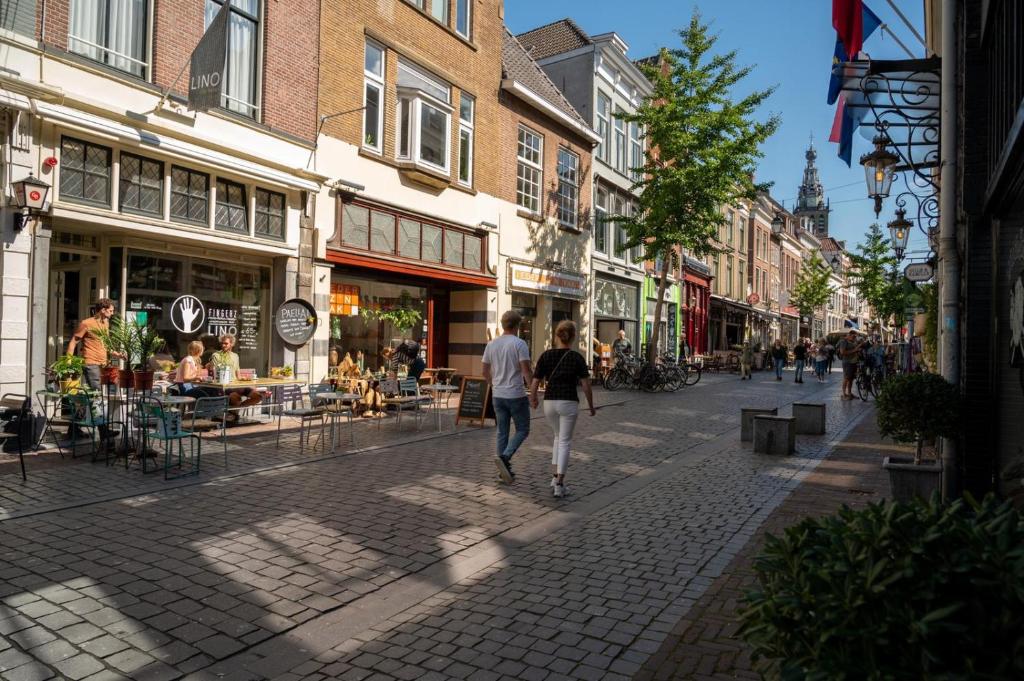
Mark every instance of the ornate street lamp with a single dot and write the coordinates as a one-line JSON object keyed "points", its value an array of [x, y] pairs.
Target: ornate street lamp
{"points": [[878, 171], [30, 196], [778, 224], [836, 263], [899, 229]]}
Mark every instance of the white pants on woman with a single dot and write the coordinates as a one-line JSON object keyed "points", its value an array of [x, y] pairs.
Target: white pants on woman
{"points": [[561, 414]]}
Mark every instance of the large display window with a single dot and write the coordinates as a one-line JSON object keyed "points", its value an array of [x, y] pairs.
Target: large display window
{"points": [[191, 299]]}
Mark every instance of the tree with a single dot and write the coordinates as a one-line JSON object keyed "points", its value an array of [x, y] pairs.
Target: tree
{"points": [[812, 288], [870, 273], [701, 153]]}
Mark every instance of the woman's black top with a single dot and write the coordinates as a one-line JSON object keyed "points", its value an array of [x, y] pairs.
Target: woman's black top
{"points": [[778, 352], [799, 351], [562, 368]]}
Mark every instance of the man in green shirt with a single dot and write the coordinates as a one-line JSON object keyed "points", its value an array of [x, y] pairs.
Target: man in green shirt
{"points": [[226, 357]]}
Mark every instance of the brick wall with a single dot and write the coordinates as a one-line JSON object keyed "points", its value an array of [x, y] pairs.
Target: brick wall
{"points": [[473, 67], [56, 29]]}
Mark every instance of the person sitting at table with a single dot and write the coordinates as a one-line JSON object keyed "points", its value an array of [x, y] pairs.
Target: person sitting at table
{"points": [[333, 359], [225, 357], [372, 402], [188, 373]]}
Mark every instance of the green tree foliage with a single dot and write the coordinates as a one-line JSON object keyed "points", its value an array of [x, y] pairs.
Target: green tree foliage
{"points": [[812, 288], [701, 152], [871, 273]]}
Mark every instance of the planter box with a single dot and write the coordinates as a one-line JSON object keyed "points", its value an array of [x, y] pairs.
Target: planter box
{"points": [[810, 418], [907, 481], [774, 435], [747, 415]]}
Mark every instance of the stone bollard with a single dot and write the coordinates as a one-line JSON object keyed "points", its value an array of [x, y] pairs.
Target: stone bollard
{"points": [[810, 418], [774, 434], [747, 415]]}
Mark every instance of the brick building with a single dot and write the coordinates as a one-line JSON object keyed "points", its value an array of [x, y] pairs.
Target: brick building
{"points": [[151, 201]]}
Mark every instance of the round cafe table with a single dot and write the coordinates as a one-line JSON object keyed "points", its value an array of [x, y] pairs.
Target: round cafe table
{"points": [[340, 398], [436, 390]]}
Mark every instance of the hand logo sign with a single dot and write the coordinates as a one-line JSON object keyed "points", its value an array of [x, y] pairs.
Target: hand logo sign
{"points": [[187, 314]]}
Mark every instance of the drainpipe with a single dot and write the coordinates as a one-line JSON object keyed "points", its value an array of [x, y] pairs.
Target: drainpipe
{"points": [[949, 262]]}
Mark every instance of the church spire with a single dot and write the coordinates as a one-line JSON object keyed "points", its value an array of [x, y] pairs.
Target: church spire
{"points": [[811, 195]]}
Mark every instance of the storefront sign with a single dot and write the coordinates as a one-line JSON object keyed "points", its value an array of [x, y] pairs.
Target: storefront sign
{"points": [[475, 403], [564, 284], [249, 328], [753, 299], [295, 321], [188, 314], [206, 78], [614, 299], [223, 321], [918, 271]]}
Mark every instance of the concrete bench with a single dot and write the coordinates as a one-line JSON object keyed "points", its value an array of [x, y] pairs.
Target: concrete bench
{"points": [[810, 418], [747, 415], [774, 434]]}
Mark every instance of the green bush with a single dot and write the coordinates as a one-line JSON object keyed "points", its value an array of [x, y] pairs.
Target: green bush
{"points": [[918, 407], [893, 591]]}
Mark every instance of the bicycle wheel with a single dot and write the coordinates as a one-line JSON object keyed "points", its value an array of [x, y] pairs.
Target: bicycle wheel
{"points": [[650, 380], [615, 379], [877, 381], [674, 380], [693, 373], [863, 386]]}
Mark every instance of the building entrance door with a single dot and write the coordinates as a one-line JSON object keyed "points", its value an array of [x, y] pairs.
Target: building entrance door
{"points": [[73, 290]]}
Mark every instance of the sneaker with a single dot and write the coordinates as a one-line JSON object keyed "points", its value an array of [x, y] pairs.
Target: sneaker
{"points": [[504, 470], [554, 482], [560, 491]]}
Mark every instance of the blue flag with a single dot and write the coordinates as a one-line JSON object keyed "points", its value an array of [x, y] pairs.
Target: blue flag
{"points": [[871, 23]]}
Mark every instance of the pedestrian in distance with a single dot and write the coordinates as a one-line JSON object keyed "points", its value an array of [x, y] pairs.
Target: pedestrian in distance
{"points": [[621, 345], [563, 369], [799, 359], [821, 359], [830, 350], [849, 350], [506, 366], [779, 356], [746, 360]]}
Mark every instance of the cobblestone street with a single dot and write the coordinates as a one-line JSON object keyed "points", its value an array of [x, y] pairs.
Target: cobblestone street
{"points": [[403, 559]]}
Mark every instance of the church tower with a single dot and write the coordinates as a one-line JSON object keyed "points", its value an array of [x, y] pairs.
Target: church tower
{"points": [[811, 202]]}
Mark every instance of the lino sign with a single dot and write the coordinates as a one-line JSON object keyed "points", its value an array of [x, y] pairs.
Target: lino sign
{"points": [[206, 67]]}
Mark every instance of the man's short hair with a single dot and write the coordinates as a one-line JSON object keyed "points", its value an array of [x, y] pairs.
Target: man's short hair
{"points": [[511, 320], [228, 336], [104, 303]]}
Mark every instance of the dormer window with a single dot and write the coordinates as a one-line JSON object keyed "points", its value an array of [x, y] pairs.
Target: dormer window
{"points": [[424, 118]]}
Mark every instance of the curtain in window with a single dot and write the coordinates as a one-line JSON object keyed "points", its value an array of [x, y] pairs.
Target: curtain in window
{"points": [[241, 65], [127, 34], [87, 23]]}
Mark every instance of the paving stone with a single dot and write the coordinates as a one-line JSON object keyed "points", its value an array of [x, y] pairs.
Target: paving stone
{"points": [[33, 671], [79, 667]]}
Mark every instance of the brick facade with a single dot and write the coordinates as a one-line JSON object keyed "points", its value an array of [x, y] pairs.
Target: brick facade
{"points": [[404, 30]]}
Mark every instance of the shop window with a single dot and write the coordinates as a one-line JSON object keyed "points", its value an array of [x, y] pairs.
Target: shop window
{"points": [[382, 233], [568, 188], [111, 32], [270, 216], [408, 238], [356, 329], [84, 172], [190, 196], [529, 173], [232, 211], [373, 96], [355, 227], [453, 248], [239, 93], [473, 247], [141, 185], [432, 243]]}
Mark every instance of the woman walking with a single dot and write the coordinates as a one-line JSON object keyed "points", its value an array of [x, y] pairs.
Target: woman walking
{"points": [[800, 358], [779, 354], [820, 359], [563, 368]]}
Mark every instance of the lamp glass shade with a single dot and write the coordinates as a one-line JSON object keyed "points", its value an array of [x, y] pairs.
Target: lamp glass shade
{"points": [[878, 169], [777, 224], [899, 231], [30, 193]]}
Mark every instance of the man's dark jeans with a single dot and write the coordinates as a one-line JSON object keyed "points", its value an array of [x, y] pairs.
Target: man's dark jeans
{"points": [[511, 410]]}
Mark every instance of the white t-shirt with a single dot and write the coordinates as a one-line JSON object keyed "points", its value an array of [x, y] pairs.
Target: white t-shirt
{"points": [[504, 354]]}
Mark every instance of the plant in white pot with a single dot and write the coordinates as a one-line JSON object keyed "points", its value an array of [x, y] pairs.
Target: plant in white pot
{"points": [[917, 408]]}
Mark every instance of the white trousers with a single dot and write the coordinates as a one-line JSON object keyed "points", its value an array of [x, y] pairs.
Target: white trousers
{"points": [[561, 414]]}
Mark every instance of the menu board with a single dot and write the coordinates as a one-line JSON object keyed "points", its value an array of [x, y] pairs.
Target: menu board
{"points": [[295, 321], [249, 328], [475, 401]]}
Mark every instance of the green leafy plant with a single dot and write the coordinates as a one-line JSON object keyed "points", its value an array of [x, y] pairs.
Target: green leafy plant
{"points": [[143, 341], [403, 316], [918, 407], [68, 367], [892, 591], [812, 288], [118, 338]]}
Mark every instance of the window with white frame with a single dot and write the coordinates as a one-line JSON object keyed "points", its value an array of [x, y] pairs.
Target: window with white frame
{"points": [[462, 17], [620, 231], [620, 143], [239, 93], [601, 221], [604, 108], [568, 188], [467, 105], [636, 152], [111, 32], [373, 96], [439, 10], [424, 118], [529, 173]]}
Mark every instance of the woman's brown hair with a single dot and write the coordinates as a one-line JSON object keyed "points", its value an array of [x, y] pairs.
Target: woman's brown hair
{"points": [[566, 331]]}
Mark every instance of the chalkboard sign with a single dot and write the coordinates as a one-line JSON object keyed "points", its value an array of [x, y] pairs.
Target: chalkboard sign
{"points": [[295, 321], [475, 401]]}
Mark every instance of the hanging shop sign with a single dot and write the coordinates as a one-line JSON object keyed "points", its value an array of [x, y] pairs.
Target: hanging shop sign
{"points": [[295, 321], [753, 299], [918, 271], [537, 279]]}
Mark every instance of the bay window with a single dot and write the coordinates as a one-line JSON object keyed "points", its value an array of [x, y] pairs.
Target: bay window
{"points": [[529, 173], [111, 32], [373, 96], [424, 119], [240, 86], [568, 188]]}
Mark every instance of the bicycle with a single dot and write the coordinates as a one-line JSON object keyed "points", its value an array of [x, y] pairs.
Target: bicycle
{"points": [[867, 380], [692, 373], [625, 372]]}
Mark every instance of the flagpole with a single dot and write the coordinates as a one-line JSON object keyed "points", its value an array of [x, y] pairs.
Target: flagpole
{"points": [[167, 92], [909, 25], [885, 27]]}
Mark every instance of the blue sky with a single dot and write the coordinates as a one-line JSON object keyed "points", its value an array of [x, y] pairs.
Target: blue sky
{"points": [[790, 43]]}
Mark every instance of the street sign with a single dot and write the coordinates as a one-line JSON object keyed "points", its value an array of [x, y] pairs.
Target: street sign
{"points": [[919, 271]]}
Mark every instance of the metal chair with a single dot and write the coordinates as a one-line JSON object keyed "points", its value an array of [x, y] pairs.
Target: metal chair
{"points": [[50, 406], [407, 397], [332, 408], [209, 415], [16, 410], [292, 394], [84, 416], [168, 430]]}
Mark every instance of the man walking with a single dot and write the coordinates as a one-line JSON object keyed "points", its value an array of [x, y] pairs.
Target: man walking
{"points": [[506, 366], [93, 351], [800, 359], [848, 350]]}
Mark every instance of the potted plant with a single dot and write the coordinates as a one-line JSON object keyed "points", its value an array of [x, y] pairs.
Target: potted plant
{"points": [[916, 408], [147, 341], [403, 316], [68, 370], [113, 342]]}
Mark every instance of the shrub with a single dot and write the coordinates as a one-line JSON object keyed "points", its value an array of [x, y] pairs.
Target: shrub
{"points": [[918, 407], [893, 591]]}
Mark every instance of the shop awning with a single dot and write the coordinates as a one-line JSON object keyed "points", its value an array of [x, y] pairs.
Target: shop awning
{"points": [[409, 268]]}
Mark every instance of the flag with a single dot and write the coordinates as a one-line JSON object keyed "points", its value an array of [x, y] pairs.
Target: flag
{"points": [[837, 122], [870, 23], [848, 20], [846, 128], [206, 77]]}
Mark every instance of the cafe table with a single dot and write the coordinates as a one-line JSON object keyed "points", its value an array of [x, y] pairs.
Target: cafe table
{"points": [[339, 399], [436, 390], [252, 384], [442, 374]]}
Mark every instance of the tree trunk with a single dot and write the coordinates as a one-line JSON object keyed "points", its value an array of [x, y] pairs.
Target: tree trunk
{"points": [[652, 346]]}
